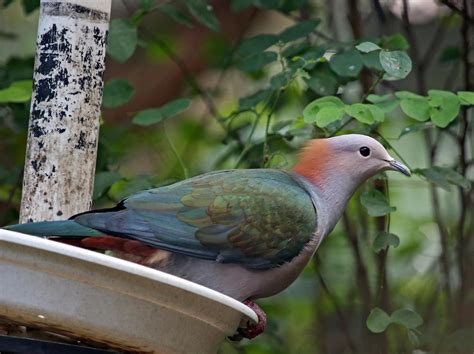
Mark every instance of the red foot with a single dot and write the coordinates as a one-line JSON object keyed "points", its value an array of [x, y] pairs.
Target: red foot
{"points": [[252, 330]]}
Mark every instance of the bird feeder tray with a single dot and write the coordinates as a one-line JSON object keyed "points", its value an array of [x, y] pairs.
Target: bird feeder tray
{"points": [[90, 296]]}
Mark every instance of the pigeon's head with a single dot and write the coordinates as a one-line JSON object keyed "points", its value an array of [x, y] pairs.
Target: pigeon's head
{"points": [[364, 155], [351, 158]]}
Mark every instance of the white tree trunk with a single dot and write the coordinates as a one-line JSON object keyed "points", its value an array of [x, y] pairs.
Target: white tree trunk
{"points": [[65, 109]]}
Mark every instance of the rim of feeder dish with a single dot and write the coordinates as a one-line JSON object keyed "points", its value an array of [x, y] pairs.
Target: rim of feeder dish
{"points": [[127, 267]]}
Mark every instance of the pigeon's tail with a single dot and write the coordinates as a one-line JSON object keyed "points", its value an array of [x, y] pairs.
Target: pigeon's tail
{"points": [[73, 233], [63, 229]]}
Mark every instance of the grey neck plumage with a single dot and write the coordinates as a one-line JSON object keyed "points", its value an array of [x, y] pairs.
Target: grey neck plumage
{"points": [[329, 201]]}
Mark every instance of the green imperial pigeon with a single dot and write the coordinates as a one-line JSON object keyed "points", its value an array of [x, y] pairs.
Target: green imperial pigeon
{"points": [[245, 233]]}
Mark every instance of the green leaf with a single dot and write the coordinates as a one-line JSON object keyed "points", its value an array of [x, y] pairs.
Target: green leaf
{"points": [[385, 103], [117, 92], [147, 5], [256, 44], [418, 109], [413, 338], [367, 47], [454, 177], [175, 14], [254, 99], [396, 64], [347, 64], [299, 127], [293, 5], [281, 124], [313, 56], [26, 85], [378, 320], [280, 80], [269, 4], [375, 203], [384, 240], [445, 107], [387, 106], [377, 113], [323, 81], [302, 74], [155, 115], [203, 12], [362, 112], [378, 99], [329, 101], [328, 115], [299, 47], [407, 94], [395, 42], [310, 113], [435, 176], [30, 5], [17, 92], [7, 3], [407, 318], [239, 5], [301, 29], [124, 188], [466, 97], [415, 128], [441, 94], [372, 61], [122, 39], [444, 176], [450, 54], [257, 61], [102, 182]]}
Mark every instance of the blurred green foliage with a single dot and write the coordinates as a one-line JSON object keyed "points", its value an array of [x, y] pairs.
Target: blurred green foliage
{"points": [[370, 289]]}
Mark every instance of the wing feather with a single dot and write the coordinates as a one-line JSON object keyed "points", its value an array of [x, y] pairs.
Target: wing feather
{"points": [[258, 218]]}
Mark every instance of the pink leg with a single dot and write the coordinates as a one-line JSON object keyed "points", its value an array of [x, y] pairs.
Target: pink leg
{"points": [[252, 330]]}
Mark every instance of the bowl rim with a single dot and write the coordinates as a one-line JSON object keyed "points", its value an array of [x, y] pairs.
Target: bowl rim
{"points": [[43, 244]]}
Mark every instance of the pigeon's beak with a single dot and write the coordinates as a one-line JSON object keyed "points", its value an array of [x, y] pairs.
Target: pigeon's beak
{"points": [[398, 166]]}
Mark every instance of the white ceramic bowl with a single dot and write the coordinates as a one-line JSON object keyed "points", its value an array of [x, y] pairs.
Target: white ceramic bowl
{"points": [[89, 295]]}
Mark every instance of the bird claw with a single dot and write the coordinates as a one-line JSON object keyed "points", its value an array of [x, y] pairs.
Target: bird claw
{"points": [[251, 330]]}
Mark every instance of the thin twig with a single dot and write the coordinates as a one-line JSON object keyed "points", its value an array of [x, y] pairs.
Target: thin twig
{"points": [[386, 142], [464, 196], [371, 89], [373, 86], [270, 114], [383, 224], [362, 274], [317, 32], [434, 45], [444, 258], [233, 50], [11, 194], [265, 142], [452, 77], [432, 147], [248, 143], [414, 50], [455, 8], [378, 9], [176, 154], [438, 217], [466, 46], [335, 303], [189, 77], [355, 20]]}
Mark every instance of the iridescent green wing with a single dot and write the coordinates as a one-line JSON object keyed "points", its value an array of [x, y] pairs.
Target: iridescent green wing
{"points": [[259, 218]]}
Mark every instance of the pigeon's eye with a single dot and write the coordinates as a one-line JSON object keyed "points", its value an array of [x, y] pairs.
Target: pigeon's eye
{"points": [[364, 151]]}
